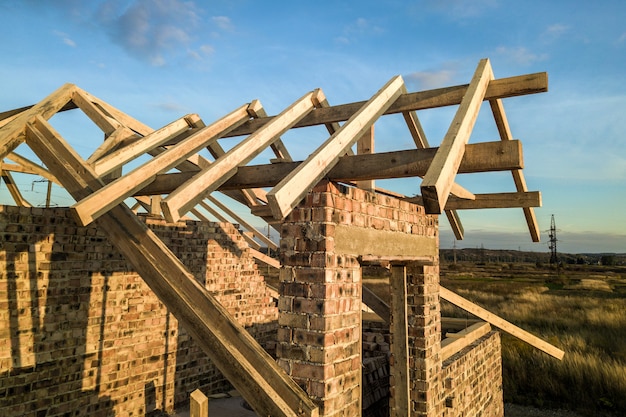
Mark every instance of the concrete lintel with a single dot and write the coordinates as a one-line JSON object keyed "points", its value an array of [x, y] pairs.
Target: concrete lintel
{"points": [[384, 244]]}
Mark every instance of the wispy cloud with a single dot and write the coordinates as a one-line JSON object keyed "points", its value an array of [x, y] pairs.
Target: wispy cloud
{"points": [[357, 29], [555, 31], [425, 80], [520, 55], [65, 38]]}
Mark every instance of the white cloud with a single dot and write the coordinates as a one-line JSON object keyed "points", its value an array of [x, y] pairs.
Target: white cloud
{"points": [[520, 55], [426, 80], [65, 38], [223, 22]]}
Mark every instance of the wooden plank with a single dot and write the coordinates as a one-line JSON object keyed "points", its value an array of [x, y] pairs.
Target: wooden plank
{"points": [[399, 367], [251, 370], [455, 221], [119, 157], [441, 97], [438, 180], [500, 323], [398, 259], [497, 108], [458, 341], [480, 157], [30, 167], [365, 146], [12, 134], [279, 148], [265, 259], [99, 202], [377, 305], [259, 235], [198, 404], [112, 141], [491, 201], [107, 124], [286, 195], [208, 180], [12, 187]]}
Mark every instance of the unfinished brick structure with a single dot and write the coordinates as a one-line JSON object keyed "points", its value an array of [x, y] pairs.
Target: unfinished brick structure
{"points": [[110, 284]]}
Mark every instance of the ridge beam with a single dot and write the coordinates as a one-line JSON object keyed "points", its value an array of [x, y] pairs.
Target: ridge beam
{"points": [[209, 179], [94, 205], [439, 179], [286, 195]]}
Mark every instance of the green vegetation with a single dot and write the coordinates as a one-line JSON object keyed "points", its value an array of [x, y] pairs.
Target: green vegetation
{"points": [[582, 310]]}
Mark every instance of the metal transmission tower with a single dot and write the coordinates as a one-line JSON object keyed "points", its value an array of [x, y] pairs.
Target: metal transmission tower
{"points": [[554, 259]]}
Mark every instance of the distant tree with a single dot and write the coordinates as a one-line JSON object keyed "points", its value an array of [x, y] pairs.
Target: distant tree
{"points": [[607, 260]]}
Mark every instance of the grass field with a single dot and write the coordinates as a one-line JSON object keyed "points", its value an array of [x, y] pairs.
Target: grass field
{"points": [[582, 310]]}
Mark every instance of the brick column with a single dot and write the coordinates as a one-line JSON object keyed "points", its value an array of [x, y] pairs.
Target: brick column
{"points": [[425, 341], [319, 338]]}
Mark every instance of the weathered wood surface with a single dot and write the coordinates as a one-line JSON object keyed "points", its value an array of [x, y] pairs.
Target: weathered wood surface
{"points": [[500, 323], [455, 342], [252, 371], [399, 368]]}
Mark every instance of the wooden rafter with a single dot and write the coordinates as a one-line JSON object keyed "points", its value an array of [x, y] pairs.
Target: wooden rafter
{"points": [[13, 189], [100, 201], [287, 193], [439, 179], [208, 180]]}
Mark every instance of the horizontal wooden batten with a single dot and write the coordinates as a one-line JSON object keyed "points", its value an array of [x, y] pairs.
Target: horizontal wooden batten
{"points": [[458, 341], [440, 97], [491, 201], [480, 157]]}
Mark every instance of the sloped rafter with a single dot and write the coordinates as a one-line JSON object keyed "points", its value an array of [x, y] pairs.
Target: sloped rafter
{"points": [[284, 196], [99, 202], [208, 180], [439, 179], [12, 187]]}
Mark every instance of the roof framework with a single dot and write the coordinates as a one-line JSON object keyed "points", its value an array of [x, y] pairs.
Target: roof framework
{"points": [[177, 179]]}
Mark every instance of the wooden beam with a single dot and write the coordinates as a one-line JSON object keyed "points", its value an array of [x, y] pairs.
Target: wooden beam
{"points": [[251, 370], [497, 108], [454, 343], [198, 404], [12, 134], [209, 179], [13, 189], [265, 259], [441, 97], [500, 323], [399, 368], [250, 241], [107, 124], [112, 141], [29, 167], [286, 195], [491, 201], [259, 235], [376, 304], [119, 157], [281, 152], [102, 200], [480, 157], [365, 146], [438, 180], [455, 221]]}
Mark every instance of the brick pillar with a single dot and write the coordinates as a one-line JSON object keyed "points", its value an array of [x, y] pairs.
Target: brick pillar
{"points": [[425, 341], [319, 338]]}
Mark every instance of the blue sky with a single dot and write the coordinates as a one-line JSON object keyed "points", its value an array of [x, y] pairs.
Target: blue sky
{"points": [[160, 59]]}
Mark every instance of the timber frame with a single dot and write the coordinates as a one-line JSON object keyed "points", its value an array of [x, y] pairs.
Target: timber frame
{"points": [[178, 180]]}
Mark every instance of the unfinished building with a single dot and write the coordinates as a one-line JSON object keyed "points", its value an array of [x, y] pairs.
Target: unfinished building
{"points": [[116, 308]]}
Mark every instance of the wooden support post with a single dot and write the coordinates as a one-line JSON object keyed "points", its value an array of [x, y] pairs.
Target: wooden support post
{"points": [[399, 368], [286, 195], [99, 202], [198, 404], [250, 369], [209, 179], [439, 179]]}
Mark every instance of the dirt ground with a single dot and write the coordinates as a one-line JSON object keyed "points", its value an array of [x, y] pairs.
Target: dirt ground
{"points": [[514, 410]]}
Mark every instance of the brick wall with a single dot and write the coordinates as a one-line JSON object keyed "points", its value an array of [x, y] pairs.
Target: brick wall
{"points": [[81, 334], [473, 380]]}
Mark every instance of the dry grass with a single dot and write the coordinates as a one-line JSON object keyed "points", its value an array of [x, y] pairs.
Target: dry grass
{"points": [[583, 314]]}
